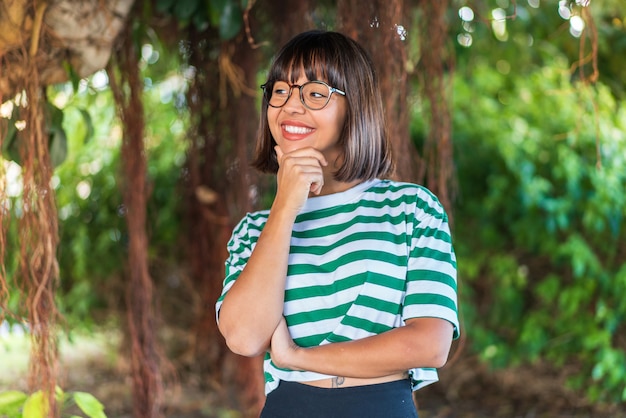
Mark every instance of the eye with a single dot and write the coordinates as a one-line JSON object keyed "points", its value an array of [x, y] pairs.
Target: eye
{"points": [[318, 95], [280, 89], [315, 91]]}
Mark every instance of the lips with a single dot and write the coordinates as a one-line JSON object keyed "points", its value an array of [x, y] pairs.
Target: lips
{"points": [[300, 130], [295, 131]]}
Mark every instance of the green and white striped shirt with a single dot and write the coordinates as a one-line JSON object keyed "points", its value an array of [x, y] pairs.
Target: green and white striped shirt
{"points": [[361, 262]]}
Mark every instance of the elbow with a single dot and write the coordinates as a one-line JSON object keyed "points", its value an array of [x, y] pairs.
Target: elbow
{"points": [[244, 348], [428, 359], [243, 345], [435, 357], [433, 361], [439, 356], [440, 360]]}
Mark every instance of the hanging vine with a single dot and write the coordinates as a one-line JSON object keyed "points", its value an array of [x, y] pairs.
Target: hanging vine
{"points": [[38, 229], [37, 272], [126, 85], [4, 199], [32, 54]]}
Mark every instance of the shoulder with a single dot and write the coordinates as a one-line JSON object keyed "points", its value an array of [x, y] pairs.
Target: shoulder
{"points": [[400, 187], [409, 193], [251, 224], [256, 218]]}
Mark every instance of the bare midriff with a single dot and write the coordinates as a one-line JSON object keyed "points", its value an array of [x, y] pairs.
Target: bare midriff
{"points": [[344, 382]]}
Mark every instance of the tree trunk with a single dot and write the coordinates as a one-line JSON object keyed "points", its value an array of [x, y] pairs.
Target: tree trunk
{"points": [[438, 173], [222, 101], [57, 33], [379, 25], [244, 188], [288, 18]]}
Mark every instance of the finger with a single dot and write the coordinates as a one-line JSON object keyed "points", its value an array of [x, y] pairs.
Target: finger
{"points": [[316, 183], [316, 187], [307, 152]]}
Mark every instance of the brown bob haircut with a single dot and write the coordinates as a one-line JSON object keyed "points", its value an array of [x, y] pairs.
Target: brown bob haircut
{"points": [[342, 63]]}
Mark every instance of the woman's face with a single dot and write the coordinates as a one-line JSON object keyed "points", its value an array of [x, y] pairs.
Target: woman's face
{"points": [[295, 126]]}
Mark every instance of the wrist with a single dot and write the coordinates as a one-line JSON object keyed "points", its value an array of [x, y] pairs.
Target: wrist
{"points": [[283, 213], [297, 358], [291, 358]]}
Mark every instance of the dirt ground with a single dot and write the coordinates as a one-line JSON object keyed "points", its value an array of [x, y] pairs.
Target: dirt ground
{"points": [[466, 388]]}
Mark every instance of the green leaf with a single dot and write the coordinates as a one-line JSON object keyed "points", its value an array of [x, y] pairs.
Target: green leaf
{"points": [[164, 5], [12, 396], [231, 20], [72, 75], [200, 21], [9, 144], [54, 116], [35, 406], [88, 123], [58, 146], [214, 9], [59, 394], [89, 405], [183, 10], [11, 402], [10, 149], [57, 140]]}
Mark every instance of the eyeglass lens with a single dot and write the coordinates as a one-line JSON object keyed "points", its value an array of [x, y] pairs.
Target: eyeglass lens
{"points": [[314, 94]]}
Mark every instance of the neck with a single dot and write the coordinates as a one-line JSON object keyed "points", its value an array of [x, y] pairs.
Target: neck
{"points": [[332, 186]]}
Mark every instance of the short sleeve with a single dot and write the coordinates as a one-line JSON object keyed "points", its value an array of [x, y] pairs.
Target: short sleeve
{"points": [[239, 250], [431, 289]]}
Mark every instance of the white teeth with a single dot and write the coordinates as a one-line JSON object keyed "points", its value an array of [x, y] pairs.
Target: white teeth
{"points": [[297, 129]]}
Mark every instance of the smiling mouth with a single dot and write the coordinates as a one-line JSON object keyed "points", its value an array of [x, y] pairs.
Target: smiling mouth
{"points": [[299, 130]]}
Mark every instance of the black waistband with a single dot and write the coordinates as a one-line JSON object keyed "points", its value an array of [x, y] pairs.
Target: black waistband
{"points": [[385, 400]]}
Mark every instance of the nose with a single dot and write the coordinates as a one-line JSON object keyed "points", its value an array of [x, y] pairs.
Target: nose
{"points": [[294, 104]]}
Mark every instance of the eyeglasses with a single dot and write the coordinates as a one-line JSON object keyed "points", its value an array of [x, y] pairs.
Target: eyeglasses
{"points": [[315, 95]]}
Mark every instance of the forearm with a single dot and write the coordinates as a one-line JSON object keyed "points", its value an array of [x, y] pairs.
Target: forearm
{"points": [[254, 304], [423, 343]]}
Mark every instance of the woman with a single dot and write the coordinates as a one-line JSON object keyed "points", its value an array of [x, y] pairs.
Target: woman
{"points": [[348, 282]]}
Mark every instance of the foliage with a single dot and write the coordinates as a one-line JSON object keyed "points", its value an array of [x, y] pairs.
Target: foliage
{"points": [[225, 15], [93, 228], [56, 133], [540, 162], [17, 404], [93, 238], [539, 221]]}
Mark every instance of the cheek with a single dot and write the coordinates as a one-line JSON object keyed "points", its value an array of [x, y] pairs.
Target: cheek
{"points": [[340, 116], [275, 131], [272, 124], [340, 123]]}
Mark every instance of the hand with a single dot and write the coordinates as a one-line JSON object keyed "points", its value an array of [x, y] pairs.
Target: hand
{"points": [[282, 347], [299, 174]]}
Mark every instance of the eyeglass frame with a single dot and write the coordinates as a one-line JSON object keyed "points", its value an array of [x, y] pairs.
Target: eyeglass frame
{"points": [[300, 86]]}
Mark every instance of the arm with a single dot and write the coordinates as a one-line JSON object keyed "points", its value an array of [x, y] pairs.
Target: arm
{"points": [[422, 342], [253, 306]]}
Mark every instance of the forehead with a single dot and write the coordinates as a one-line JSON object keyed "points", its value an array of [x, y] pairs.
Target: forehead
{"points": [[311, 66], [300, 76]]}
